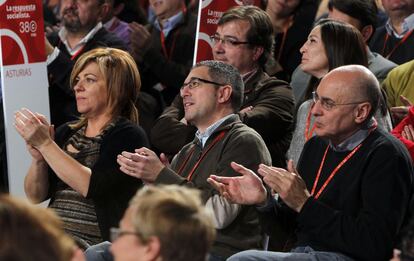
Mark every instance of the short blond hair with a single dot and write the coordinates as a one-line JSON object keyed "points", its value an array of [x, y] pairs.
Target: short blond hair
{"points": [[177, 217], [122, 78]]}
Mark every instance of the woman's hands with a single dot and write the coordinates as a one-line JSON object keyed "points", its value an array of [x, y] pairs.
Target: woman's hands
{"points": [[34, 129]]}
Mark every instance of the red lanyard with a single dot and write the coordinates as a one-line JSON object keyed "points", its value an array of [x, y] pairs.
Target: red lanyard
{"points": [[214, 142], [162, 38], [315, 183], [387, 36], [308, 131], [73, 57], [164, 47]]}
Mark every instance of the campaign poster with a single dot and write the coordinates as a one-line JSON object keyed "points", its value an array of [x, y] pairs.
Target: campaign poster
{"points": [[24, 81], [209, 14]]}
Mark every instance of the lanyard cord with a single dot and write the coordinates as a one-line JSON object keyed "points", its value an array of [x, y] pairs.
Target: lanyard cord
{"points": [[211, 145]]}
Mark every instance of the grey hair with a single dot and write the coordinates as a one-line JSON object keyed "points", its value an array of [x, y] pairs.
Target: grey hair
{"points": [[228, 75]]}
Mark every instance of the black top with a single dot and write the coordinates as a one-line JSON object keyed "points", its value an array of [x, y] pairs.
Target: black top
{"points": [[109, 188], [364, 206], [401, 54]]}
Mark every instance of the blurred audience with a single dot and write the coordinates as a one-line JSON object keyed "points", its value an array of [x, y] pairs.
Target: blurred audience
{"points": [[404, 131], [30, 233], [81, 30], [395, 39], [77, 169], [113, 24], [164, 50], [362, 14], [133, 12], [243, 39], [292, 21], [399, 89]]}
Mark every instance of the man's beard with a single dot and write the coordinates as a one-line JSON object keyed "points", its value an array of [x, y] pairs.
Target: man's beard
{"points": [[72, 24]]}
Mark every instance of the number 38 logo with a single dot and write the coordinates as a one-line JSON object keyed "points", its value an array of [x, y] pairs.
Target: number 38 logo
{"points": [[27, 27]]}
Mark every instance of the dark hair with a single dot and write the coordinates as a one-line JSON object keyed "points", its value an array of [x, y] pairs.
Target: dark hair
{"points": [[226, 74], [365, 11], [343, 45], [261, 29]]}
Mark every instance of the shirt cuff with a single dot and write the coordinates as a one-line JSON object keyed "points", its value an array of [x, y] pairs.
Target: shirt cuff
{"points": [[51, 57]]}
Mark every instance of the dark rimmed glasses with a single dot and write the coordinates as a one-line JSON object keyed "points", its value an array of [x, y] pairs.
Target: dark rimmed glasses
{"points": [[226, 41], [196, 82]]}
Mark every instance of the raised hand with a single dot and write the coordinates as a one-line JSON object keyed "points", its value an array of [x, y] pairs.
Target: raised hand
{"points": [[143, 164], [287, 183], [33, 128], [398, 113], [245, 189]]}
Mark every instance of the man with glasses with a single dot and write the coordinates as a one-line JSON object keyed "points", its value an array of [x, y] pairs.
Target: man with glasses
{"points": [[164, 223], [350, 194], [244, 39], [212, 94]]}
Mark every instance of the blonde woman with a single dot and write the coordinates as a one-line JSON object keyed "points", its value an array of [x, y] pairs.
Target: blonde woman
{"points": [[77, 169]]}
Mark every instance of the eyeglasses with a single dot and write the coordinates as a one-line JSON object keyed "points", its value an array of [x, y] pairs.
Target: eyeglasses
{"points": [[196, 82], [230, 42], [116, 233], [329, 104]]}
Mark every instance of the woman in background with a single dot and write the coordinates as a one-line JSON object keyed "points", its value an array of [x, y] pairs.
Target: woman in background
{"points": [[330, 44]]}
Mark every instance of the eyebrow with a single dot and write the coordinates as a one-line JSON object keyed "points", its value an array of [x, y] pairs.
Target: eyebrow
{"points": [[90, 74], [326, 99], [226, 36]]}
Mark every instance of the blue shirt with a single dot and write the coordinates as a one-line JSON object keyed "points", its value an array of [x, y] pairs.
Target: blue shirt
{"points": [[170, 23], [203, 137], [407, 26]]}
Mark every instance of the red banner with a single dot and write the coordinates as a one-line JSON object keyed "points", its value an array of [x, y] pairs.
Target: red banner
{"points": [[21, 31], [211, 11]]}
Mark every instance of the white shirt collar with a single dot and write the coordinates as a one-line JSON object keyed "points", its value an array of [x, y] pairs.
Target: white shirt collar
{"points": [[63, 37]]}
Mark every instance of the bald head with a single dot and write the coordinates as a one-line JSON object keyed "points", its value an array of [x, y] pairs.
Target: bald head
{"points": [[358, 83]]}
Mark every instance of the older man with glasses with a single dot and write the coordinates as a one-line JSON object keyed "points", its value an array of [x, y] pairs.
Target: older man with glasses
{"points": [[351, 192]]}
